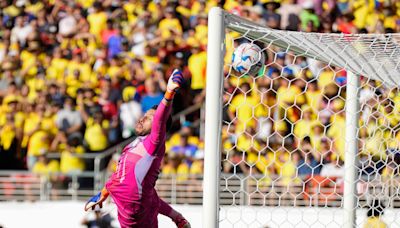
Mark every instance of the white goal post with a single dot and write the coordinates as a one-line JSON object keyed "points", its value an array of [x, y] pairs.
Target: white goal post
{"points": [[213, 117], [374, 56]]}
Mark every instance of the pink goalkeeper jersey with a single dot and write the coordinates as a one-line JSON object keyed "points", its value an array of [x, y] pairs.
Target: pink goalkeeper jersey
{"points": [[132, 185]]}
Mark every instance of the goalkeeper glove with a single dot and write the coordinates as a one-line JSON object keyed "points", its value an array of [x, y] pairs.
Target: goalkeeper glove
{"points": [[175, 82], [97, 200]]}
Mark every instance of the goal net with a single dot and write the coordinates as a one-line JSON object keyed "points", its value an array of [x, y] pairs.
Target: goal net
{"points": [[313, 140]]}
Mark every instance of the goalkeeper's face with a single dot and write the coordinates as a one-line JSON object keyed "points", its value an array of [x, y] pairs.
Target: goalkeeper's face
{"points": [[143, 126]]}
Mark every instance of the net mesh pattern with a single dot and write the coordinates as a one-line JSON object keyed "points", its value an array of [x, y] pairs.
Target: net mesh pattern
{"points": [[375, 56], [283, 133]]}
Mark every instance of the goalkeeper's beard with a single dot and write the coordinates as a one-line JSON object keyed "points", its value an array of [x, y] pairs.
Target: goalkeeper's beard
{"points": [[140, 131], [143, 126]]}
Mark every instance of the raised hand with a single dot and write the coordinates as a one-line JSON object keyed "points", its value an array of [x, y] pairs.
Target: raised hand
{"points": [[175, 81]]}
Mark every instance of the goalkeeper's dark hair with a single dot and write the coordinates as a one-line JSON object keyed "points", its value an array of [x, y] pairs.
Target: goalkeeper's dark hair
{"points": [[169, 121]]}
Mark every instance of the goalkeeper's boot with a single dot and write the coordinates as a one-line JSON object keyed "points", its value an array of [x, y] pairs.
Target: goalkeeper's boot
{"points": [[97, 199], [182, 223]]}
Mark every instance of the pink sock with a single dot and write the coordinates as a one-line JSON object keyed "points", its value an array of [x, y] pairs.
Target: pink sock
{"points": [[167, 210]]}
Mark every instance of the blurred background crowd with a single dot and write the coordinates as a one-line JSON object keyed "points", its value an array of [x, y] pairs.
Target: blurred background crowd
{"points": [[288, 124], [77, 75]]}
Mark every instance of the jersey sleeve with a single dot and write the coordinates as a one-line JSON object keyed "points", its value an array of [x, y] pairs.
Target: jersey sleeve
{"points": [[159, 128]]}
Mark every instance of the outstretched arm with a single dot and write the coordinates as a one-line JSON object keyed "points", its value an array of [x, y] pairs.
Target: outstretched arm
{"points": [[159, 128], [166, 210]]}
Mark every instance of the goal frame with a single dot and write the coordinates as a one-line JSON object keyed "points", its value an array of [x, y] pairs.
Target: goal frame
{"points": [[217, 24]]}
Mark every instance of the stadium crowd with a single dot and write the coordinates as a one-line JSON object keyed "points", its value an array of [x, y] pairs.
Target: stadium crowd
{"points": [[288, 125], [76, 75]]}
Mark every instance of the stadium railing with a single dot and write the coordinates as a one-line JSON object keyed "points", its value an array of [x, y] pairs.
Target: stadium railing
{"points": [[187, 189], [24, 185]]}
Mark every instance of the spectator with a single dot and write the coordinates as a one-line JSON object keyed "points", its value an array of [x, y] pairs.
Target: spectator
{"points": [[175, 165], [201, 29], [374, 214], [70, 162], [115, 43], [153, 95], [241, 106], [327, 151], [169, 25], [345, 24], [185, 150], [36, 138], [286, 169], [46, 167], [97, 20], [69, 123], [288, 8], [186, 129], [130, 112], [335, 168], [20, 31], [313, 95], [256, 14], [262, 165], [195, 173], [264, 113], [324, 8], [108, 32], [303, 127], [151, 62], [197, 63], [317, 133], [197, 166], [170, 165], [337, 129], [110, 96], [308, 16], [8, 143], [236, 164], [270, 15], [343, 6], [68, 24], [392, 168], [309, 163], [182, 171], [246, 143], [140, 35], [96, 133], [57, 67], [7, 77]]}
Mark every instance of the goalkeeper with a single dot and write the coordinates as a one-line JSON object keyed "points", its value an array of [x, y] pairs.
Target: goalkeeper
{"points": [[132, 185]]}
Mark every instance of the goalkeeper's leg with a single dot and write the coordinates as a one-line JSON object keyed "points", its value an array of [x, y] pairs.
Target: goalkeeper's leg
{"points": [[167, 210]]}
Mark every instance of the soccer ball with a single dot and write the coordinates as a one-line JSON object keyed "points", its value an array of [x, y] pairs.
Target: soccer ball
{"points": [[248, 58]]}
